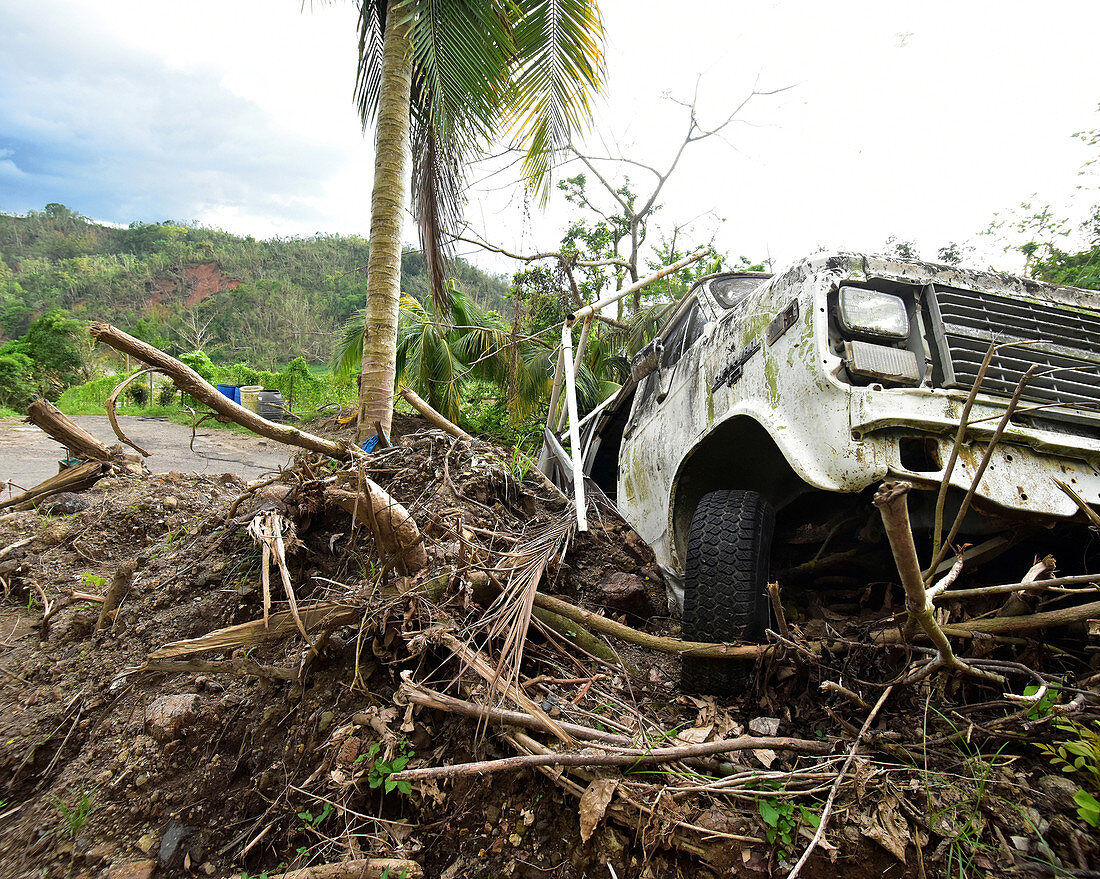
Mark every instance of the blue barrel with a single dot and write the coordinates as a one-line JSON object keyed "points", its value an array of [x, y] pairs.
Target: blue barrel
{"points": [[230, 391]]}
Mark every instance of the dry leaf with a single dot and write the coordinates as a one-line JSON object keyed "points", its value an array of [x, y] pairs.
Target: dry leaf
{"points": [[766, 756], [696, 735], [886, 827], [594, 803], [764, 726]]}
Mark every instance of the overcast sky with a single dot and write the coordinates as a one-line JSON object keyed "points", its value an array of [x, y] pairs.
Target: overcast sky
{"points": [[920, 121]]}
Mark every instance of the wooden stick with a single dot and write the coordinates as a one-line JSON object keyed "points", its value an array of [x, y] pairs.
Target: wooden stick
{"points": [[421, 695], [941, 552], [475, 660], [625, 757], [777, 609], [701, 649], [190, 382], [113, 418], [363, 868], [1047, 619], [827, 810], [891, 500], [120, 585], [432, 416]]}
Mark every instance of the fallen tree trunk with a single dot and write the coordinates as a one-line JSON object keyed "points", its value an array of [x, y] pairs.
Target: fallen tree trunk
{"points": [[393, 527], [64, 430], [73, 479], [432, 416], [190, 382]]}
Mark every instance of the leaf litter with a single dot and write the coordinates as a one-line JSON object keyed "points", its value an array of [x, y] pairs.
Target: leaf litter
{"points": [[414, 699]]}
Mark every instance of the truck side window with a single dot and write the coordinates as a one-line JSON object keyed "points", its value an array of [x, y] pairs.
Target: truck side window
{"points": [[688, 328], [729, 291]]}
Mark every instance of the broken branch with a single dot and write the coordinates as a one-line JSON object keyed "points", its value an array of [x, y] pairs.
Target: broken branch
{"points": [[190, 382], [625, 757], [891, 500]]}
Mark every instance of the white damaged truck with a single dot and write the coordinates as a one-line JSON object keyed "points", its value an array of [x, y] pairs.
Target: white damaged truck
{"points": [[774, 405]]}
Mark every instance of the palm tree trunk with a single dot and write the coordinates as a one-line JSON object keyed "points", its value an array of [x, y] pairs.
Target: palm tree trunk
{"points": [[387, 215]]}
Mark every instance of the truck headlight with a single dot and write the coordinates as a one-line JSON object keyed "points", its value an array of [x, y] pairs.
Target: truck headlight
{"points": [[865, 312]]}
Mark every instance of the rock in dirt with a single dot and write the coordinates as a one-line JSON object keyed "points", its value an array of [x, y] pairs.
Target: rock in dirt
{"points": [[64, 504], [626, 593], [148, 842], [169, 716], [174, 834], [133, 870]]}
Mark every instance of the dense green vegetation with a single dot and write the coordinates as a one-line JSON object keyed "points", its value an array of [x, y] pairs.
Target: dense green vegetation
{"points": [[185, 288]]}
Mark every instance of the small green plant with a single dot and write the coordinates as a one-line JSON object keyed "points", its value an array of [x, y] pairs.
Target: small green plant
{"points": [[380, 770], [77, 813], [387, 875], [315, 821], [521, 464], [1079, 754], [93, 581], [781, 819]]}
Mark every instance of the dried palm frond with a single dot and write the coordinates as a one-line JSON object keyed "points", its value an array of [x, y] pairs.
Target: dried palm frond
{"points": [[272, 531], [521, 571]]}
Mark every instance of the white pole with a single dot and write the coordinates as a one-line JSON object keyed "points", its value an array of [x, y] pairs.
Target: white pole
{"points": [[594, 307], [574, 432]]}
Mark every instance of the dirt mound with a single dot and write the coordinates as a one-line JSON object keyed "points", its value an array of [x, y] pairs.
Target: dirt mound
{"points": [[178, 733]]}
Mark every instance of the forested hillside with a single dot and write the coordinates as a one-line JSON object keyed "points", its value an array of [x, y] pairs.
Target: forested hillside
{"points": [[186, 287]]}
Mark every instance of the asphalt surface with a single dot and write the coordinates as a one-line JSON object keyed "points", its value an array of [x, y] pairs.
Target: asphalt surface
{"points": [[27, 455]]}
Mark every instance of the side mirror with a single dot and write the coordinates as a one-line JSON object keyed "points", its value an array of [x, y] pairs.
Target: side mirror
{"points": [[646, 361]]}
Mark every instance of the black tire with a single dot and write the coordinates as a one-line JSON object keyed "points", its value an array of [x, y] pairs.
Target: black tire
{"points": [[725, 584]]}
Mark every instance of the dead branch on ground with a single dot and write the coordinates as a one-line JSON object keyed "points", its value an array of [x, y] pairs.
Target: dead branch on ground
{"points": [[190, 382], [892, 504]]}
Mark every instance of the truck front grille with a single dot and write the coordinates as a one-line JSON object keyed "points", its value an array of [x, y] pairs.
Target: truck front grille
{"points": [[1065, 343]]}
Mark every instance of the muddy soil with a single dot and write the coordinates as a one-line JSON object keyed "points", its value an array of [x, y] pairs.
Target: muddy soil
{"points": [[109, 768]]}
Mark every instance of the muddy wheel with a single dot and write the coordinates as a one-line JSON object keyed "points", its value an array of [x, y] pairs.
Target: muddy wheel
{"points": [[725, 585]]}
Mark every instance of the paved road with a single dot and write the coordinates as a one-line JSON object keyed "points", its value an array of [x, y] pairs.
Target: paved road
{"points": [[27, 455]]}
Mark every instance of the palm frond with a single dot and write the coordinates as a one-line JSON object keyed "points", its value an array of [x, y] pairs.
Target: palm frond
{"points": [[437, 184], [460, 57], [368, 75], [559, 48], [348, 355], [645, 324]]}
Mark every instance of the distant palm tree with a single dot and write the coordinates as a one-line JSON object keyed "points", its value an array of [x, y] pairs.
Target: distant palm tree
{"points": [[445, 77], [439, 349]]}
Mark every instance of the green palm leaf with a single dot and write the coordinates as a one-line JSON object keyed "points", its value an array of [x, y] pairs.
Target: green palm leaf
{"points": [[559, 51]]}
